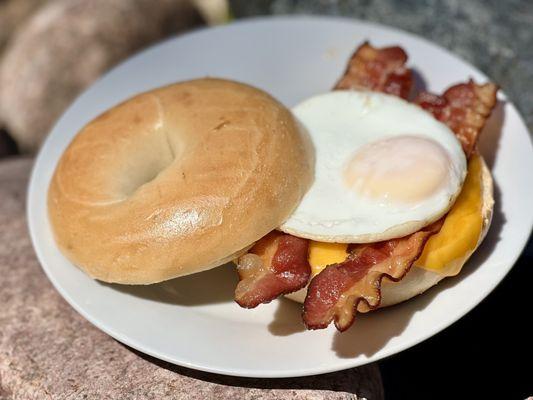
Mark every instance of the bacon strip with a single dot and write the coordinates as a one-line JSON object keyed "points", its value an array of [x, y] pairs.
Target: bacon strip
{"points": [[276, 265], [464, 108], [340, 290], [381, 70]]}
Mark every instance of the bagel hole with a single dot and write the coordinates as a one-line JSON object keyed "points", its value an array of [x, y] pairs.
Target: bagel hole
{"points": [[138, 180], [147, 166]]}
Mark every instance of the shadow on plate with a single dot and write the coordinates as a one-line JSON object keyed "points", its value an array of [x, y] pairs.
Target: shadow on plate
{"points": [[385, 323], [287, 318], [359, 339], [489, 140], [209, 287], [419, 83]]}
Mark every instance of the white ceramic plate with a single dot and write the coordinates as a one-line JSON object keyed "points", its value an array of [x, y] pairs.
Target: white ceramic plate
{"points": [[193, 321]]}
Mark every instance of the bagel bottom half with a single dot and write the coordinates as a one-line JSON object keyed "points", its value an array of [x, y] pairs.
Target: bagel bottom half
{"points": [[421, 277]]}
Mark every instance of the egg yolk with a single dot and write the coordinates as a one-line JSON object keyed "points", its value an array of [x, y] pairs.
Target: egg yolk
{"points": [[444, 251], [401, 169]]}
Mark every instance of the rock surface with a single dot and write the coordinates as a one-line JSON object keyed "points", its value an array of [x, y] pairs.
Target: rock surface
{"points": [[48, 351], [493, 35], [65, 46], [12, 13]]}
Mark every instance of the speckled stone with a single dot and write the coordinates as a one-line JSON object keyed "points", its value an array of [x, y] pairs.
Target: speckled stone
{"points": [[12, 14], [494, 35], [48, 351], [65, 46]]}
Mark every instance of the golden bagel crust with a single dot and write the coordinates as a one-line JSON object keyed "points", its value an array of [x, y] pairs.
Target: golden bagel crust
{"points": [[418, 280], [177, 180]]}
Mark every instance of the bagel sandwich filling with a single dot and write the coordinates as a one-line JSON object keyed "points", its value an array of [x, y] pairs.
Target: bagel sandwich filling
{"points": [[401, 197]]}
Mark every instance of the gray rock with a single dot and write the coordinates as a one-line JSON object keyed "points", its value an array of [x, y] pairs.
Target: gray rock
{"points": [[65, 46], [493, 35], [48, 351], [12, 13]]}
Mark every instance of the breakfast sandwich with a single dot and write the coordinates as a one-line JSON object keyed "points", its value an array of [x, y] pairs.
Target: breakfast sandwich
{"points": [[400, 200]]}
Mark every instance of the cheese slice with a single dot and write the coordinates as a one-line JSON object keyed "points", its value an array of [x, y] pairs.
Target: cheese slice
{"points": [[462, 227], [444, 252], [322, 254]]}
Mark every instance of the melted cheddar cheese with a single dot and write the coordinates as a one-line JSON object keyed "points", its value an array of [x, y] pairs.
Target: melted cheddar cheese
{"points": [[322, 254], [444, 251], [462, 227]]}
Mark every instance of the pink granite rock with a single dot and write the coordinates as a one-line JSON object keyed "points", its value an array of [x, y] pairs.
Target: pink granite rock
{"points": [[48, 351]]}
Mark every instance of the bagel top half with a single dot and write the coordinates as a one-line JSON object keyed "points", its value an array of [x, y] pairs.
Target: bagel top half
{"points": [[177, 180]]}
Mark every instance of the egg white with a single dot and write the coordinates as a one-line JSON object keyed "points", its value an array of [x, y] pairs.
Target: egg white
{"points": [[341, 122]]}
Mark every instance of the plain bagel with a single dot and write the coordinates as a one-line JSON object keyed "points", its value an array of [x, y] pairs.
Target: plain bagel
{"points": [[418, 280], [177, 180]]}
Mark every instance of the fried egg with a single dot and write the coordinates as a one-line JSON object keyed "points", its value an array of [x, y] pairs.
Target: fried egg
{"points": [[384, 168]]}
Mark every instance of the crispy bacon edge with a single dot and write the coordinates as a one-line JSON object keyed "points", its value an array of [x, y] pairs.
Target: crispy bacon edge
{"points": [[381, 70], [276, 265], [340, 290], [464, 108]]}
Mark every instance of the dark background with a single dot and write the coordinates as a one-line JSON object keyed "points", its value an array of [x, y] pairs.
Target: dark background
{"points": [[488, 353]]}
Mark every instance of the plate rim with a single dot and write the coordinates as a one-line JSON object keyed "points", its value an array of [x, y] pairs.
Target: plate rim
{"points": [[315, 369]]}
